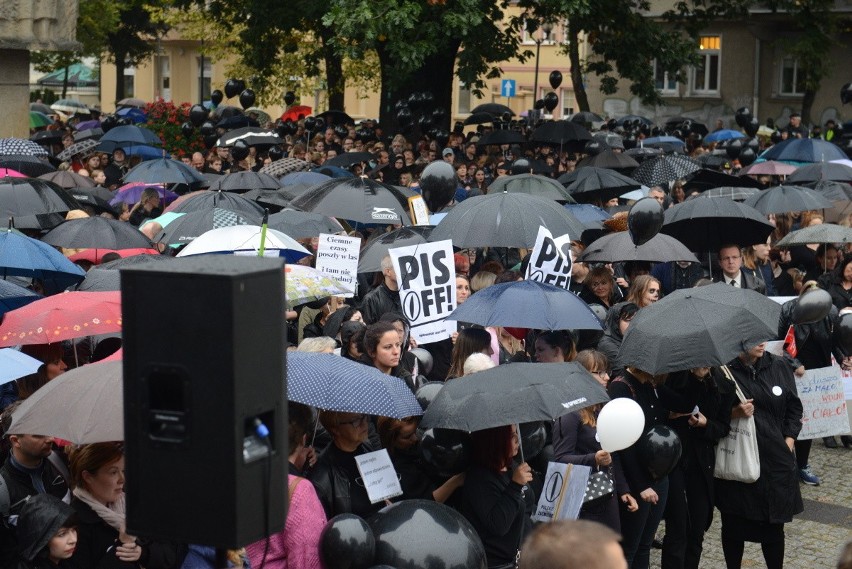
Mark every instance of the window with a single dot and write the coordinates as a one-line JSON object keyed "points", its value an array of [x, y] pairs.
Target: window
{"points": [[165, 77], [792, 78], [664, 81], [545, 33], [129, 81], [705, 75], [464, 99], [206, 77]]}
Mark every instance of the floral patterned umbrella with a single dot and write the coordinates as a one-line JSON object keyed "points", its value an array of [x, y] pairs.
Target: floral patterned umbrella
{"points": [[306, 284]]}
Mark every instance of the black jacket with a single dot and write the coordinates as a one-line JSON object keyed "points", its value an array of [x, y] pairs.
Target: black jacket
{"points": [[749, 279], [815, 342], [775, 497], [840, 297], [335, 481], [41, 518], [610, 343], [379, 301]]}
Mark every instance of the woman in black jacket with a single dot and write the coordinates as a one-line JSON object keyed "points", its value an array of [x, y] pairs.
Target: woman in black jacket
{"points": [[840, 288], [47, 533]]}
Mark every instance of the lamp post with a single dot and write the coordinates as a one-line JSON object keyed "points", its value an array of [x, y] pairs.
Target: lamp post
{"points": [[546, 28]]}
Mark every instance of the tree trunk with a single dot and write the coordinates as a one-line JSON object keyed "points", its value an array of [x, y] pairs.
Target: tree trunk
{"points": [[335, 80], [807, 105], [576, 69], [119, 76], [65, 83]]}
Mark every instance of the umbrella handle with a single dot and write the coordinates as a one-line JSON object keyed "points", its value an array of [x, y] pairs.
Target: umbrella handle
{"points": [[263, 226], [520, 442]]}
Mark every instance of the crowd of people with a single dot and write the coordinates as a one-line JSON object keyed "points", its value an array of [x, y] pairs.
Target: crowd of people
{"points": [[66, 501]]}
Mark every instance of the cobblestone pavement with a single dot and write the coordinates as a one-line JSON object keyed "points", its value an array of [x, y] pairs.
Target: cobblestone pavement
{"points": [[815, 536]]}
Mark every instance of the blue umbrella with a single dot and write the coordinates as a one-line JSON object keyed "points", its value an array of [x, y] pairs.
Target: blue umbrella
{"points": [[663, 140], [132, 113], [146, 152], [527, 304], [334, 172], [163, 171], [803, 150], [15, 364], [26, 257], [724, 134], [587, 214], [13, 296], [305, 178], [128, 135], [334, 383]]}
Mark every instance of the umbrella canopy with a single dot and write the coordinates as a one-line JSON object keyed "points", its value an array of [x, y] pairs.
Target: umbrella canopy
{"points": [[135, 261], [131, 193], [70, 107], [303, 224], [803, 150], [78, 149], [68, 179], [663, 140], [9, 173], [768, 168], [714, 161], [642, 153], [730, 192], [47, 137], [513, 393], [128, 135], [208, 200], [296, 113], [94, 132], [783, 199], [284, 166], [261, 116], [495, 109], [565, 134], [504, 220], [585, 117], [597, 184], [244, 239], [706, 225], [527, 304], [243, 181], [336, 117], [704, 179], [13, 296], [20, 147], [307, 284], [62, 317], [84, 405], [821, 172], [30, 202], [92, 198], [501, 137], [823, 233], [41, 107], [479, 118], [618, 247], [697, 327], [533, 185], [251, 135], [15, 364], [359, 199], [29, 165], [39, 120], [589, 215], [163, 171], [377, 248], [131, 102], [132, 114], [99, 280], [188, 227], [95, 255], [723, 134], [664, 169], [303, 178], [96, 232], [347, 159], [609, 159], [26, 257], [275, 199], [339, 384]]}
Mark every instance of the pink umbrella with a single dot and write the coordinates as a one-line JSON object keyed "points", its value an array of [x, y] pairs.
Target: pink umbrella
{"points": [[9, 173], [768, 168], [94, 255]]}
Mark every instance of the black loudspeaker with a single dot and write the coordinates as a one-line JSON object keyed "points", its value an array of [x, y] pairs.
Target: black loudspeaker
{"points": [[204, 372]]}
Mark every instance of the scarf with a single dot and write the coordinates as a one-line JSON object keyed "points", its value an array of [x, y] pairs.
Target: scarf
{"points": [[113, 514]]}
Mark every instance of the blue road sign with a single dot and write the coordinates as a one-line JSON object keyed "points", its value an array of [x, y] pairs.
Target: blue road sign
{"points": [[507, 88]]}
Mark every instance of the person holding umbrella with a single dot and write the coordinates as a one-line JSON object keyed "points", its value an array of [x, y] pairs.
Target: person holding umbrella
{"points": [[840, 287]]}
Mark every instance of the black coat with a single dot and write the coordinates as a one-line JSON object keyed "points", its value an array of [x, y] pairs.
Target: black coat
{"points": [[840, 297], [749, 279], [775, 497], [334, 478], [379, 301], [815, 342]]}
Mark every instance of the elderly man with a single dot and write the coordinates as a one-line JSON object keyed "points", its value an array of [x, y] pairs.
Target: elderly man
{"points": [[733, 272], [572, 544], [794, 127], [197, 161]]}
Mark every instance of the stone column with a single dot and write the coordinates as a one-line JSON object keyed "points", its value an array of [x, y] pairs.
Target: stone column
{"points": [[15, 92]]}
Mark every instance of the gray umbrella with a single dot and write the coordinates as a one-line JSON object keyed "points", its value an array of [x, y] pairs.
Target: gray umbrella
{"points": [[68, 179], [729, 192], [285, 166], [81, 148], [823, 233], [100, 280], [303, 224], [697, 327], [97, 232], [33, 203], [589, 184], [243, 181], [358, 199], [189, 226], [664, 169], [821, 171], [533, 185], [705, 225], [163, 171], [617, 247], [783, 199], [377, 248]]}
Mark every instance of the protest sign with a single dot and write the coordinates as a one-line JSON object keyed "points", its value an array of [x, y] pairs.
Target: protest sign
{"points": [[551, 259], [418, 210], [824, 403], [563, 492], [378, 475], [426, 277], [337, 257]]}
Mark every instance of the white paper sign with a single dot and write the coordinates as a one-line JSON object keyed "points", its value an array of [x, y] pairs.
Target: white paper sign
{"points": [[563, 492], [551, 259], [379, 476], [824, 402], [426, 277], [337, 257]]}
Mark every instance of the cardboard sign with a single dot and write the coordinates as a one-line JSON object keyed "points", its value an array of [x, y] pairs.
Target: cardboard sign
{"points": [[378, 475], [824, 402], [418, 210], [337, 257], [426, 277], [551, 259], [563, 492]]}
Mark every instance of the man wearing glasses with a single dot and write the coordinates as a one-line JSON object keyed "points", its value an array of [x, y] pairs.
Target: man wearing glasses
{"points": [[733, 273]]}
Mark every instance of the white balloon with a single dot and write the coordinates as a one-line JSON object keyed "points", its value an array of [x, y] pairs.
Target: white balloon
{"points": [[620, 424]]}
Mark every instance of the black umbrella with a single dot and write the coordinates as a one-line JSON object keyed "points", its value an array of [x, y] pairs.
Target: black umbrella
{"points": [[98, 279], [33, 203], [251, 135], [698, 327], [48, 136], [822, 233], [274, 198], [29, 165], [566, 135], [479, 118], [706, 225], [225, 200], [237, 121], [303, 224], [729, 192], [495, 109], [513, 393], [609, 159], [97, 233], [186, 228], [597, 184], [714, 161], [377, 248], [284, 166], [292, 191], [501, 137], [533, 185], [821, 171], [505, 220], [336, 117], [704, 179], [586, 117], [243, 181], [783, 199], [661, 170], [358, 199], [136, 261], [347, 159], [68, 179], [618, 247], [88, 134], [163, 171], [642, 153], [92, 199], [128, 136]]}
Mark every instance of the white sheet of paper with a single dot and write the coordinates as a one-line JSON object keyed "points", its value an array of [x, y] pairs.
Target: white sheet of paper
{"points": [[379, 476]]}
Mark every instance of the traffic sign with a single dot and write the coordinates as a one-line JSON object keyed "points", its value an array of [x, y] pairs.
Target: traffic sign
{"points": [[507, 88]]}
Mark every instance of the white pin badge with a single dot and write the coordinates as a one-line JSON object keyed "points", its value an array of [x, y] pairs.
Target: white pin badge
{"points": [[597, 437], [777, 391]]}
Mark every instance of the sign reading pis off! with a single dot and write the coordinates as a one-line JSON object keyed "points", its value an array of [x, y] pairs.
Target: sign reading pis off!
{"points": [[551, 259], [426, 277]]}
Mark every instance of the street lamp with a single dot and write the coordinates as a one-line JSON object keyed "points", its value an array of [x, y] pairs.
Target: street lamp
{"points": [[546, 28]]}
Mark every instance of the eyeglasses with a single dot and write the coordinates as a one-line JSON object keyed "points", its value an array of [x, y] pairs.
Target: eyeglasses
{"points": [[360, 420]]}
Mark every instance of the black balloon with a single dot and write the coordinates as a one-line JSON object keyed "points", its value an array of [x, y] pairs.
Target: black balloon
{"points": [[216, 97], [751, 126], [747, 156], [425, 121], [210, 140], [458, 127], [426, 534], [187, 129], [846, 93], [240, 150], [550, 101], [427, 98], [427, 393], [520, 166], [555, 79], [310, 124], [644, 220], [109, 122], [347, 542], [414, 100], [247, 98], [404, 116], [438, 115], [442, 137], [539, 104], [289, 98], [320, 124], [232, 88], [446, 450], [438, 185], [276, 153], [425, 361], [659, 449], [742, 116], [401, 104], [732, 149], [533, 439], [812, 306], [341, 131], [197, 115]]}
